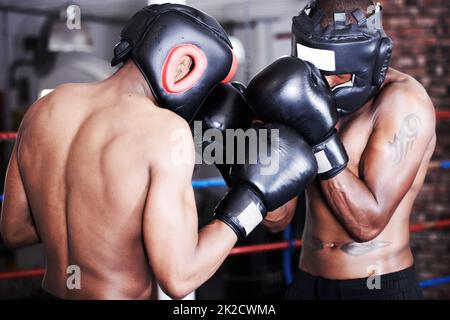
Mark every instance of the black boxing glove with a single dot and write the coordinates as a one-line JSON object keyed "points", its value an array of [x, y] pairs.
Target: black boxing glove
{"points": [[224, 108], [255, 192], [294, 92]]}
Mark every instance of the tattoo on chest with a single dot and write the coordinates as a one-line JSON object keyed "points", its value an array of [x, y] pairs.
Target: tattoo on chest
{"points": [[359, 249], [404, 139]]}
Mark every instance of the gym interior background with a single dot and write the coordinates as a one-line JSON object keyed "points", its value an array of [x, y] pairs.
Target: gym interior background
{"points": [[38, 52]]}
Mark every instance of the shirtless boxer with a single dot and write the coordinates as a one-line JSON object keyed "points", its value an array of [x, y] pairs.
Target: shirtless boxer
{"points": [[95, 178], [371, 171]]}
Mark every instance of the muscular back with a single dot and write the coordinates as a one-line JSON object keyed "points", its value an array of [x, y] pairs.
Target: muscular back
{"points": [[86, 177], [390, 143]]}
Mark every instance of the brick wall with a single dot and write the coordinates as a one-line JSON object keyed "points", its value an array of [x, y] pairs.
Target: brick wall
{"points": [[421, 32]]}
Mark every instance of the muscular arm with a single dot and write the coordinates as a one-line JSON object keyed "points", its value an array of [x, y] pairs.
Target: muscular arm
{"points": [[16, 224], [182, 258], [403, 129], [279, 219]]}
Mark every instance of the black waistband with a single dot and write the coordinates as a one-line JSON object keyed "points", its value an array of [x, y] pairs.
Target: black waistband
{"points": [[388, 279]]}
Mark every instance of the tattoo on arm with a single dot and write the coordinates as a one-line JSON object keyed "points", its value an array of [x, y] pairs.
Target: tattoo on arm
{"points": [[359, 249], [404, 139]]}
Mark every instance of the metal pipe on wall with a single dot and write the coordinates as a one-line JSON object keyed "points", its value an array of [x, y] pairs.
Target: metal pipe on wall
{"points": [[56, 13]]}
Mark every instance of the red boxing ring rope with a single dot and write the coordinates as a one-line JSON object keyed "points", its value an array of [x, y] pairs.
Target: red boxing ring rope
{"points": [[265, 247], [275, 246], [444, 114], [8, 135]]}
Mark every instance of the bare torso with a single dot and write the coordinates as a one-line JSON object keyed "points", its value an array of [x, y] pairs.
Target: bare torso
{"points": [[102, 176], [86, 177], [328, 250]]}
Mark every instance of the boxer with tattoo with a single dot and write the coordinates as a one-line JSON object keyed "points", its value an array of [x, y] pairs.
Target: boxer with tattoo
{"points": [[371, 167]]}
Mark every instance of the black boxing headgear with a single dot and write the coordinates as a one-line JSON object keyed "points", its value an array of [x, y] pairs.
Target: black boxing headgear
{"points": [[157, 36], [361, 49]]}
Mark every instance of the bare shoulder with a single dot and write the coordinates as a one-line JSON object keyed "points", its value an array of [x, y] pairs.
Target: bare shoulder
{"points": [[403, 97], [65, 91], [61, 93], [151, 118], [165, 134], [174, 142]]}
